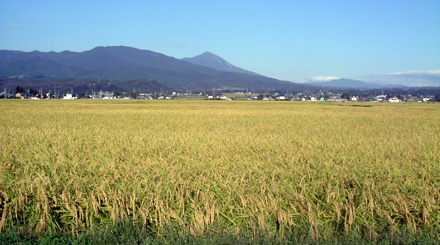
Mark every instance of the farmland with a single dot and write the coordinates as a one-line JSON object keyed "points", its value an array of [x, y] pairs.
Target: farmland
{"points": [[227, 170]]}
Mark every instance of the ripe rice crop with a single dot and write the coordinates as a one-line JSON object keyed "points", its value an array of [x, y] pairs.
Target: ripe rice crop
{"points": [[278, 170]]}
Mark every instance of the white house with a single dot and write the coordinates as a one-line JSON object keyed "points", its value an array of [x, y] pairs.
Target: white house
{"points": [[394, 100], [68, 97], [224, 98], [381, 97], [281, 97]]}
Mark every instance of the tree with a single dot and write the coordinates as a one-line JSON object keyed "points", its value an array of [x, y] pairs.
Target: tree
{"points": [[345, 96], [33, 92], [19, 89]]}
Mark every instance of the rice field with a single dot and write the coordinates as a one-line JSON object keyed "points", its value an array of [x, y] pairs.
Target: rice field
{"points": [[233, 170]]}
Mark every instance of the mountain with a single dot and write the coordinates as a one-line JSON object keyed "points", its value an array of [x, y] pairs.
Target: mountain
{"points": [[125, 63], [354, 84], [213, 61]]}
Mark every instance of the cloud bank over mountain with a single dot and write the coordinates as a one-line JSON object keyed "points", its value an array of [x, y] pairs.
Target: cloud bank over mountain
{"points": [[408, 78], [426, 78], [324, 79]]}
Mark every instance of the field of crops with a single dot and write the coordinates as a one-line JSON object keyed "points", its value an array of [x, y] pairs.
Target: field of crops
{"points": [[274, 171]]}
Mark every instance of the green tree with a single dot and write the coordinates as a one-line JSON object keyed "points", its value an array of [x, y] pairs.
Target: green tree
{"points": [[19, 89]]}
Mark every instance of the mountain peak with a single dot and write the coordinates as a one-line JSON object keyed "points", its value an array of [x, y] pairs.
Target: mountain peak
{"points": [[207, 53], [210, 60]]}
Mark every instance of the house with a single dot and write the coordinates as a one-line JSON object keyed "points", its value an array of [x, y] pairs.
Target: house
{"points": [[281, 97], [394, 100], [381, 98], [109, 97], [337, 99], [224, 98], [427, 99], [145, 96], [68, 97], [19, 96]]}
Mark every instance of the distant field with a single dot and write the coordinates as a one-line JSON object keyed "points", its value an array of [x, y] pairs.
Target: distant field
{"points": [[225, 170]]}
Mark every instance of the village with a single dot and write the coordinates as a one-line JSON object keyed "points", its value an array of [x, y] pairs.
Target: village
{"points": [[321, 97], [226, 95]]}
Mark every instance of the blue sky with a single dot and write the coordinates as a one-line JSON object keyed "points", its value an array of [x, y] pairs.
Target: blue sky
{"points": [[294, 40]]}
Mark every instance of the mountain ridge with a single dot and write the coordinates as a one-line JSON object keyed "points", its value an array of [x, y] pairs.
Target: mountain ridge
{"points": [[127, 63]]}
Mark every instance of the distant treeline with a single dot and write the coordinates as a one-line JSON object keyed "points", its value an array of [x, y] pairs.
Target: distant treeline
{"points": [[82, 87]]}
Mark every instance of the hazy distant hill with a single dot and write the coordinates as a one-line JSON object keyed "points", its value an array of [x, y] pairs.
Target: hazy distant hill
{"points": [[213, 61], [356, 84], [126, 63]]}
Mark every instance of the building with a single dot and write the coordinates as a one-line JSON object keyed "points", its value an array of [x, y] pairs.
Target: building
{"points": [[68, 97], [394, 100], [337, 99]]}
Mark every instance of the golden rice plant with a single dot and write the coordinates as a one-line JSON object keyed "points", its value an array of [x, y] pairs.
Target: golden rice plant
{"points": [[220, 167]]}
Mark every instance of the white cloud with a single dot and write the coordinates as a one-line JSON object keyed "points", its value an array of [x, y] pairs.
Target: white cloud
{"points": [[313, 79], [296, 80], [15, 25], [408, 78], [411, 73], [323, 79]]}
